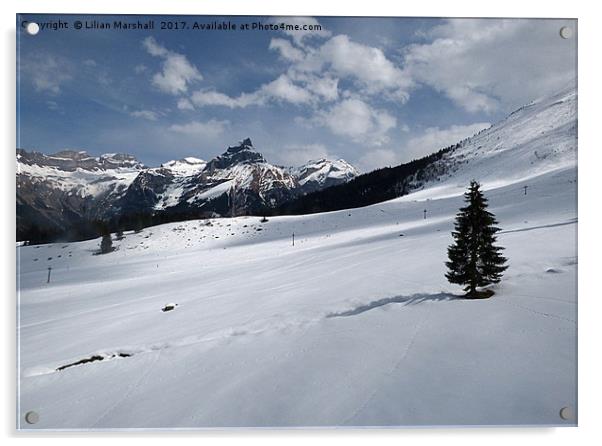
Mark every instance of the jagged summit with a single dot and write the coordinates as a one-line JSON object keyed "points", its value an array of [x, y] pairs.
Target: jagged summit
{"points": [[245, 144], [242, 153]]}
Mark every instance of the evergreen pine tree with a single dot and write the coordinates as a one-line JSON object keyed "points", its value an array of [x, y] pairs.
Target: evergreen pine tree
{"points": [[474, 259], [106, 244], [119, 234]]}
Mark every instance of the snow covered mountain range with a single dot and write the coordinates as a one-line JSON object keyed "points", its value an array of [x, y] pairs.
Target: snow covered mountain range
{"points": [[70, 187]]}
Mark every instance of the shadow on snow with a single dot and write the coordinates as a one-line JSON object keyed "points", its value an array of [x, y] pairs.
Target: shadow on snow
{"points": [[405, 300]]}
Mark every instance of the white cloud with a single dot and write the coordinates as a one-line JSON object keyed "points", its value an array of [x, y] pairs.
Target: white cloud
{"points": [[377, 158], [355, 119], [185, 104], [366, 65], [145, 114], [433, 139], [48, 73], [487, 65], [209, 129], [90, 63], [428, 141], [204, 98], [154, 48], [299, 36], [287, 50], [140, 68], [315, 73], [282, 89], [177, 71], [325, 87]]}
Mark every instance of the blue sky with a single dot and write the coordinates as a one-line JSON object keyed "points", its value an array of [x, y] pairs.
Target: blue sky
{"points": [[374, 91]]}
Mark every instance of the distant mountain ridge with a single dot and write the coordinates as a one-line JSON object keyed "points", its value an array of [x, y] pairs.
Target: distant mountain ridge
{"points": [[63, 194]]}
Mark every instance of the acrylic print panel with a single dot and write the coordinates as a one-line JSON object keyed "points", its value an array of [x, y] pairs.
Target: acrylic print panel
{"points": [[295, 222]]}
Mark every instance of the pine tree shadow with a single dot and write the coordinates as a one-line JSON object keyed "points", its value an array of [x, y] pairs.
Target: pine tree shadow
{"points": [[413, 299]]}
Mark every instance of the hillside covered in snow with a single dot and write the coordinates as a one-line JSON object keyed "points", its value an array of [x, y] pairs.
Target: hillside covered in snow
{"points": [[337, 318]]}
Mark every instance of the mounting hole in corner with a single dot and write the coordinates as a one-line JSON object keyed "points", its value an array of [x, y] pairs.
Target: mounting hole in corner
{"points": [[566, 32], [32, 28], [566, 413], [32, 417]]}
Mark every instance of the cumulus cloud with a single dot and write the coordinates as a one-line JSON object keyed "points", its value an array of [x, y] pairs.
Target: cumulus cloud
{"points": [[281, 89], [324, 88], [372, 71], [209, 129], [355, 119], [154, 48], [286, 50], [315, 70], [488, 65], [177, 71]]}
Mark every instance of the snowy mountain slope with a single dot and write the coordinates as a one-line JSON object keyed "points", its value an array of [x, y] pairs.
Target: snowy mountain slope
{"points": [[537, 138], [354, 325]]}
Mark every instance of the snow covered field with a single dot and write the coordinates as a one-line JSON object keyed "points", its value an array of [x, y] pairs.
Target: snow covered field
{"points": [[355, 325]]}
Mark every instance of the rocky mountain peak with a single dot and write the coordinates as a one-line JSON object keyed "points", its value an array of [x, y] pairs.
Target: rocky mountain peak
{"points": [[242, 153]]}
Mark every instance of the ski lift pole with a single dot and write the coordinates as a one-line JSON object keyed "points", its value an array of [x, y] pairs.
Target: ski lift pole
{"points": [[49, 269]]}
